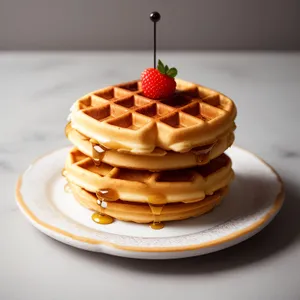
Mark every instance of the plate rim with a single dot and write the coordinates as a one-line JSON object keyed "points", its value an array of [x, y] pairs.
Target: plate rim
{"points": [[277, 204]]}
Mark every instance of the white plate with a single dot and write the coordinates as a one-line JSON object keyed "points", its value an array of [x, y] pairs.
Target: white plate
{"points": [[255, 197]]}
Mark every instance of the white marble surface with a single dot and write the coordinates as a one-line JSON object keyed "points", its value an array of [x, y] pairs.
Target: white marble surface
{"points": [[37, 90]]}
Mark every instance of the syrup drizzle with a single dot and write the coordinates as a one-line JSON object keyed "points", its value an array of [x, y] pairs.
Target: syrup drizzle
{"points": [[157, 226], [107, 195], [202, 153], [104, 195], [158, 199], [98, 152], [156, 204], [102, 219]]}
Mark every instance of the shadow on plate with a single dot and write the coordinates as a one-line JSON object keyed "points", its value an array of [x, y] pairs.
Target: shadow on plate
{"points": [[275, 238]]}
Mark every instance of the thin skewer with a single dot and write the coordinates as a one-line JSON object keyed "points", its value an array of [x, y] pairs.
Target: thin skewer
{"points": [[154, 45], [154, 17]]}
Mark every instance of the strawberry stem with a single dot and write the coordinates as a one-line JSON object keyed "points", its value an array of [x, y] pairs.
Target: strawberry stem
{"points": [[164, 69]]}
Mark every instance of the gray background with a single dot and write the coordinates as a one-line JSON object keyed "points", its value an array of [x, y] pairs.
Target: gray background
{"points": [[124, 24]]}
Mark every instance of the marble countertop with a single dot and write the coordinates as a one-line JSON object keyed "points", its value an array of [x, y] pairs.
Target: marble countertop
{"points": [[37, 90]]}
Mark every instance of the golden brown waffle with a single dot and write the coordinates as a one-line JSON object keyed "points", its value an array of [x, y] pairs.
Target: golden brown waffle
{"points": [[142, 213], [186, 185], [121, 117], [159, 159]]}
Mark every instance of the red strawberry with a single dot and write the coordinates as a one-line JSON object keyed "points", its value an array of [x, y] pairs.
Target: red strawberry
{"points": [[159, 83]]}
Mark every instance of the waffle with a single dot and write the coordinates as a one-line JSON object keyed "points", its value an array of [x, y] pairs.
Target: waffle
{"points": [[186, 185], [143, 213], [121, 117], [159, 159]]}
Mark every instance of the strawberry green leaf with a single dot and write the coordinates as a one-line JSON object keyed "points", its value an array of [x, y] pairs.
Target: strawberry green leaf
{"points": [[164, 69], [172, 72], [161, 67], [160, 62]]}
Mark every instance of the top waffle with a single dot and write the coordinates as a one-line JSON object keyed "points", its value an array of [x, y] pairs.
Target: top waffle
{"points": [[121, 117]]}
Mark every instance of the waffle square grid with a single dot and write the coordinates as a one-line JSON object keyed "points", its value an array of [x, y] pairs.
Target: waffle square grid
{"points": [[124, 106]]}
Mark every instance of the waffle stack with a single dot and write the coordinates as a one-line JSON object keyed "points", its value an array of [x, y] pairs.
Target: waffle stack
{"points": [[150, 161]]}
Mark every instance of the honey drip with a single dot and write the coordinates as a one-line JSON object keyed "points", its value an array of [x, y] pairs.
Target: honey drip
{"points": [[157, 226], [104, 195], [158, 199], [102, 219], [67, 188], [202, 153], [156, 210], [156, 204], [111, 145], [98, 152], [68, 128], [107, 195]]}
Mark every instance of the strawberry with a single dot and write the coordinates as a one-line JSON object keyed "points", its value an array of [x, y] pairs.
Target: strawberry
{"points": [[159, 83]]}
